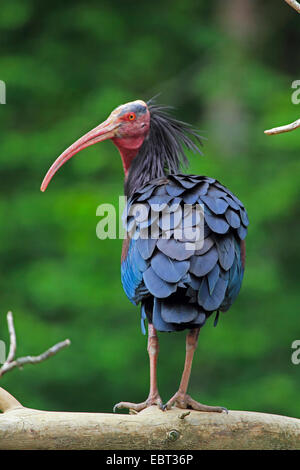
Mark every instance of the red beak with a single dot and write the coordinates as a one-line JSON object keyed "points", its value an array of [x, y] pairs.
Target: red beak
{"points": [[104, 131]]}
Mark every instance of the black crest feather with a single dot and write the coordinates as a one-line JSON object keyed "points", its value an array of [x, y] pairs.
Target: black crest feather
{"points": [[162, 152]]}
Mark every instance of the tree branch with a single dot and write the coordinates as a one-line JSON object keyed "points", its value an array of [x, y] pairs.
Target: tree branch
{"points": [[281, 129], [23, 428], [11, 362], [294, 4]]}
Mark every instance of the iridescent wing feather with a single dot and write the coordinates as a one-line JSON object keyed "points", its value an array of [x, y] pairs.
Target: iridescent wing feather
{"points": [[179, 285]]}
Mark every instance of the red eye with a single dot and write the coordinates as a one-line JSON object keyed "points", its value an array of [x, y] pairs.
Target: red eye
{"points": [[131, 116]]}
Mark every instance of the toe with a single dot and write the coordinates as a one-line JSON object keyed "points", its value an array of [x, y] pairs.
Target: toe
{"points": [[139, 406], [115, 407], [130, 406], [158, 401], [184, 401], [195, 405], [167, 406], [178, 400]]}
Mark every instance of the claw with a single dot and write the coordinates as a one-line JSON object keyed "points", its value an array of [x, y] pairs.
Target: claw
{"points": [[153, 400], [115, 407], [182, 400]]}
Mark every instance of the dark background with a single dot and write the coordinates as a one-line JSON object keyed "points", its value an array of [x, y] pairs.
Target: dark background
{"points": [[227, 67]]}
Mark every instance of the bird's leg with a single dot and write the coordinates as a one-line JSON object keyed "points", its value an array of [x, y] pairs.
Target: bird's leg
{"points": [[153, 398], [181, 399]]}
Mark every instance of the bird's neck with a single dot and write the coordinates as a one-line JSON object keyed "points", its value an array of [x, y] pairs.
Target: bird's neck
{"points": [[146, 166], [128, 148], [139, 162], [127, 156]]}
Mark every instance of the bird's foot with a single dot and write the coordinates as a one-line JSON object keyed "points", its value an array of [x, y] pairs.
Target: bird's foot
{"points": [[151, 400], [182, 400]]}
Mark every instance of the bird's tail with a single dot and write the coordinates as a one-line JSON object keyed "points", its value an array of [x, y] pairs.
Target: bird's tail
{"points": [[172, 314]]}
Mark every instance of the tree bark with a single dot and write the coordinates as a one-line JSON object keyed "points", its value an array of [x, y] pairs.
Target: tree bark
{"points": [[24, 428]]}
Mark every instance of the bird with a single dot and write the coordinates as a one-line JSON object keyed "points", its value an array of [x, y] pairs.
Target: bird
{"points": [[178, 281]]}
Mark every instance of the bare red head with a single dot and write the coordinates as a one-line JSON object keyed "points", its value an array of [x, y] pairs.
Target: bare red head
{"points": [[127, 126]]}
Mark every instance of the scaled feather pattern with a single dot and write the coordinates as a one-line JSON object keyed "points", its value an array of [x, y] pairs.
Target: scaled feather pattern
{"points": [[180, 285]]}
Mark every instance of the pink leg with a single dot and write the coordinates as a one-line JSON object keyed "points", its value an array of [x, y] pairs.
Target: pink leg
{"points": [[153, 397], [181, 399]]}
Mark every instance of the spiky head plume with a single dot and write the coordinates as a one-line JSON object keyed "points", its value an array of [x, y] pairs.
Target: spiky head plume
{"points": [[163, 150]]}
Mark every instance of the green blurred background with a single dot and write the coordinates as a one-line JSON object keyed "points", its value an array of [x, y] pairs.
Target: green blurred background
{"points": [[227, 67]]}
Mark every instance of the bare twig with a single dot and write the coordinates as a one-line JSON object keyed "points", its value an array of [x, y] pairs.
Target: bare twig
{"points": [[286, 128], [11, 362], [12, 336], [294, 125], [294, 4]]}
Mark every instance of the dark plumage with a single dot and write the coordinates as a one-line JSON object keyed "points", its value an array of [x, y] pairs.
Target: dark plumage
{"points": [[209, 279], [204, 280]]}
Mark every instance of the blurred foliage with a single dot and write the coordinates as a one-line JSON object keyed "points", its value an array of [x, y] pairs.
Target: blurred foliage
{"points": [[227, 69]]}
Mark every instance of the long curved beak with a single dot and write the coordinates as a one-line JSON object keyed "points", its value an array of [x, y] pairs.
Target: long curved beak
{"points": [[104, 131]]}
